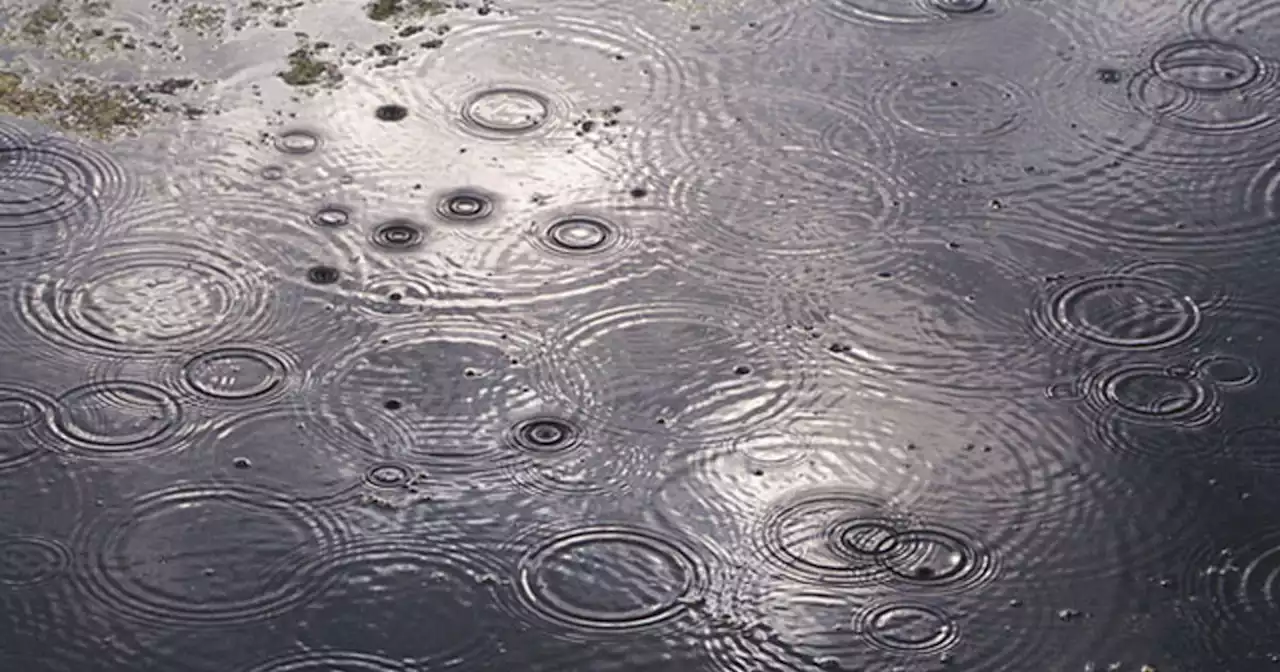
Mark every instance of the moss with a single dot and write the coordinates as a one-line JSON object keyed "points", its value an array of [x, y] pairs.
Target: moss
{"points": [[202, 19], [307, 68], [387, 10], [79, 107]]}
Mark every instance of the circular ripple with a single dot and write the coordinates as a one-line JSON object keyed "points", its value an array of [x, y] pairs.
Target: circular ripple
{"points": [[331, 661], [1228, 372], [144, 294], [545, 435], [120, 418], [912, 12], [938, 558], [1238, 588], [476, 373], [1149, 393], [281, 449], [633, 367], [1246, 23], [237, 373], [1187, 85], [908, 627], [1116, 310], [439, 576], [28, 560], [395, 294], [22, 412], [829, 536], [960, 105], [465, 205], [611, 578], [331, 216], [230, 555], [297, 141], [1257, 446], [1206, 66], [390, 476], [506, 111], [398, 234], [579, 234]]}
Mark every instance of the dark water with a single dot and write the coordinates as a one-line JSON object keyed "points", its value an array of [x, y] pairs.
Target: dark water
{"points": [[723, 335]]}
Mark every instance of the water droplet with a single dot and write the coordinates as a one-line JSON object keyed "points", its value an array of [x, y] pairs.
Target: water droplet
{"points": [[297, 141], [398, 234], [506, 111]]}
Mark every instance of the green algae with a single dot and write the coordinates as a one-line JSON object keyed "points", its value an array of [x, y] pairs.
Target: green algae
{"points": [[398, 10], [77, 107], [307, 67]]}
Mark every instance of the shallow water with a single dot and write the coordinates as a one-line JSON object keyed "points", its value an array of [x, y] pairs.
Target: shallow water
{"points": [[724, 335]]}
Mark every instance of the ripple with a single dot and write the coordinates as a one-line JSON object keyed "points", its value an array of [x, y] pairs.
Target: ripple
{"points": [[558, 454], [543, 72], [279, 449], [1246, 21], [29, 561], [246, 373], [545, 435], [1147, 392], [145, 294], [203, 556], [1105, 27], [444, 579], [887, 13], [395, 294], [55, 196], [332, 216], [908, 627], [635, 366], [331, 661], [390, 476], [398, 235], [1228, 372], [466, 205], [477, 376], [120, 419], [935, 310], [1234, 589], [1256, 446], [955, 105], [939, 558], [23, 412], [1119, 309], [579, 235], [611, 578], [298, 141]]}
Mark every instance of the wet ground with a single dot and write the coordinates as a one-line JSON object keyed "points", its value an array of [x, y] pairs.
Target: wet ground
{"points": [[723, 335]]}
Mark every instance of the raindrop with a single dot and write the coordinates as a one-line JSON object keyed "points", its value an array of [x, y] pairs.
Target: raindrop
{"points": [[235, 373], [545, 435], [119, 418], [506, 111], [331, 216], [323, 275], [465, 206], [580, 235], [908, 627], [391, 112], [297, 141], [398, 234]]}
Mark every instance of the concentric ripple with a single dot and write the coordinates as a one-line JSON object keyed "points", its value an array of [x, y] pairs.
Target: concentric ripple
{"points": [[398, 234], [54, 195], [28, 560], [23, 412], [961, 105], [1149, 393], [144, 294], [1121, 310], [331, 661], [1235, 589], [203, 556], [439, 578], [611, 578], [635, 366], [534, 62], [466, 205], [908, 627], [247, 373], [298, 141], [476, 375], [829, 536], [1256, 446], [280, 449], [545, 435], [119, 419], [557, 454], [890, 14], [1228, 372], [938, 557]]}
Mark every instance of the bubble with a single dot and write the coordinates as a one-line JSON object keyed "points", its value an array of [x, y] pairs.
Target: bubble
{"points": [[908, 627], [29, 560], [22, 412], [1206, 66], [938, 557], [1256, 446], [1148, 393], [297, 141], [545, 435], [391, 113], [230, 556], [1228, 372], [330, 661], [331, 216], [119, 419], [830, 536], [390, 475], [323, 275], [149, 293], [465, 206], [1125, 311], [610, 578], [960, 104], [236, 373], [398, 234], [506, 111], [580, 235]]}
